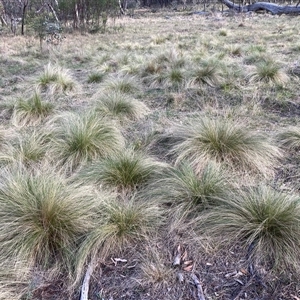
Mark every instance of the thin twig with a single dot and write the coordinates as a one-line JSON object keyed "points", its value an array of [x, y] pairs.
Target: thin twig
{"points": [[86, 281]]}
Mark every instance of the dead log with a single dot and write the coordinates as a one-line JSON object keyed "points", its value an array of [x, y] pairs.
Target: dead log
{"points": [[263, 6]]}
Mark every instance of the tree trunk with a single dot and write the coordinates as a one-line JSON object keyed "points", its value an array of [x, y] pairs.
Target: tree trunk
{"points": [[25, 3], [263, 6]]}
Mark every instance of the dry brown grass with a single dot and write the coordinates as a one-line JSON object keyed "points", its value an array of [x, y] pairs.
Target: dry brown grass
{"points": [[156, 53]]}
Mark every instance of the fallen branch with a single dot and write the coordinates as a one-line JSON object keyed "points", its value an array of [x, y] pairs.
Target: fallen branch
{"points": [[263, 6], [198, 285]]}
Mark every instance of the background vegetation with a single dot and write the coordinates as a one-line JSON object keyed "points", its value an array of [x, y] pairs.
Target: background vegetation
{"points": [[150, 150]]}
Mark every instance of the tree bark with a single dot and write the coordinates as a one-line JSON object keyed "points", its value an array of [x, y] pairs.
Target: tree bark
{"points": [[25, 3], [263, 6]]}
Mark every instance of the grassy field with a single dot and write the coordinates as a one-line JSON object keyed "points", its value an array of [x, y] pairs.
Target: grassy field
{"points": [[161, 152]]}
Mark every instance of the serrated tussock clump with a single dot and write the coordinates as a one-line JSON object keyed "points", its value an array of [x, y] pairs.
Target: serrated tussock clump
{"points": [[207, 72], [265, 221], [80, 138], [123, 171], [181, 187], [56, 79], [227, 142], [42, 217], [120, 224], [290, 138], [32, 111], [270, 72], [124, 84], [120, 106]]}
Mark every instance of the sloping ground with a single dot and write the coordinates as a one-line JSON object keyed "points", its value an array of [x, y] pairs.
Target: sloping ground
{"points": [[147, 271]]}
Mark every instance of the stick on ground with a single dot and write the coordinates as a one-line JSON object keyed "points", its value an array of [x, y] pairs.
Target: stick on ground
{"points": [[200, 294], [86, 281]]}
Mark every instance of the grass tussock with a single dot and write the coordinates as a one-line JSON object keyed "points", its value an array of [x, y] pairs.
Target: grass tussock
{"points": [[270, 72], [14, 278], [290, 138], [124, 171], [120, 106], [29, 148], [7, 138], [226, 142], [56, 79], [154, 270], [208, 71], [32, 111], [42, 217], [124, 84], [80, 138], [267, 223], [120, 224], [96, 77], [181, 187]]}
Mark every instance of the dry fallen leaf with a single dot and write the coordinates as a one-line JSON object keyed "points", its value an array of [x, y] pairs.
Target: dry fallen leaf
{"points": [[244, 271], [188, 262], [184, 255], [189, 268]]}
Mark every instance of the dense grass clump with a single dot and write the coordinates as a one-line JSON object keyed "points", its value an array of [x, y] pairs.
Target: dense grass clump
{"points": [[124, 84], [6, 147], [79, 138], [227, 142], [206, 72], [56, 79], [124, 171], [96, 77], [14, 280], [270, 72], [120, 224], [29, 148], [290, 138], [42, 217], [267, 222], [32, 111], [181, 187], [120, 106]]}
